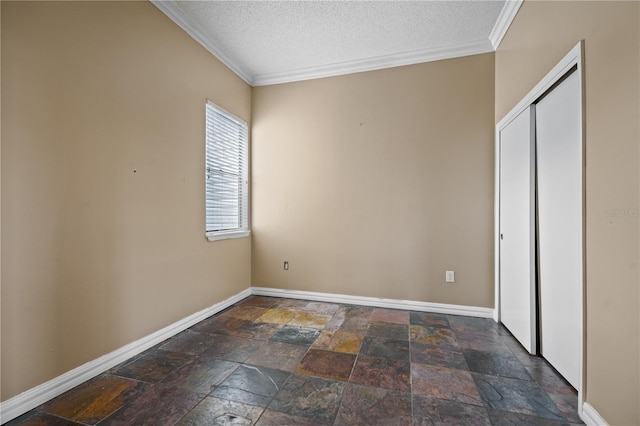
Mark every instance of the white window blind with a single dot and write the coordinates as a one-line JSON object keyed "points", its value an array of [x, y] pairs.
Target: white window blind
{"points": [[227, 186]]}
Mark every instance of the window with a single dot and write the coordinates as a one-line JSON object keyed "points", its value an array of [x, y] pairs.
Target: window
{"points": [[227, 186]]}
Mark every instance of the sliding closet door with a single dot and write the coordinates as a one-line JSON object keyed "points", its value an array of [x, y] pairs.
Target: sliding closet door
{"points": [[559, 163], [517, 229]]}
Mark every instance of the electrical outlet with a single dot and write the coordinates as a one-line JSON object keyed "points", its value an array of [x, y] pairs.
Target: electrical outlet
{"points": [[286, 265], [450, 277]]}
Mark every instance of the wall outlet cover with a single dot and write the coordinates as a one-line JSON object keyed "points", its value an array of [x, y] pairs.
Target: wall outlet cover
{"points": [[450, 277]]}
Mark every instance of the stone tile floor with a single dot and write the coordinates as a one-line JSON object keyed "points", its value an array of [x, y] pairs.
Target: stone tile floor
{"points": [[272, 361]]}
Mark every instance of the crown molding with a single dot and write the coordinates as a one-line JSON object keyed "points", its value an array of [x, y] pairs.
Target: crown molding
{"points": [[507, 15], [177, 15], [372, 64], [509, 10]]}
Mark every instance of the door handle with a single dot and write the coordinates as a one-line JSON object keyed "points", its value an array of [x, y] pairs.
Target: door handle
{"points": [[502, 236]]}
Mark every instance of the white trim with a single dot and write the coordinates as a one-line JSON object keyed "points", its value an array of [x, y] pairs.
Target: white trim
{"points": [[183, 21], [509, 10], [506, 17], [496, 227], [226, 235], [176, 15], [40, 394], [32, 398], [591, 417], [371, 64], [573, 58], [410, 305]]}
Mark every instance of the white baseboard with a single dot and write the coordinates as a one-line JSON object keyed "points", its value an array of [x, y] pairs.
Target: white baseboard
{"points": [[591, 417], [410, 305], [28, 400], [40, 394]]}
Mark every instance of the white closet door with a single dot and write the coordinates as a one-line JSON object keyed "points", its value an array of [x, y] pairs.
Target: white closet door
{"points": [[517, 229], [559, 161]]}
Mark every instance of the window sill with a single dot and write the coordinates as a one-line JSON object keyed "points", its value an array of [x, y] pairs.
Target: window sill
{"points": [[226, 235]]}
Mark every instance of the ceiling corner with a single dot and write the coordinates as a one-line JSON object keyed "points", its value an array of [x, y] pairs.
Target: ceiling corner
{"points": [[507, 15], [179, 18]]}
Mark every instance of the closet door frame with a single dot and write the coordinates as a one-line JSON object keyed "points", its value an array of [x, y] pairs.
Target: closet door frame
{"points": [[575, 58]]}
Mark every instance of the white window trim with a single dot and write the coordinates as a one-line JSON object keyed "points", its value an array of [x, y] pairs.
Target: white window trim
{"points": [[227, 235], [244, 231]]}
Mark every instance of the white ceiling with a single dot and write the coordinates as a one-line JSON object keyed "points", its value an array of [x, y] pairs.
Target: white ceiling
{"points": [[269, 42]]}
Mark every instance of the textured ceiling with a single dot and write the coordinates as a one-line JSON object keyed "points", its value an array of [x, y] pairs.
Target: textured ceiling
{"points": [[268, 42]]}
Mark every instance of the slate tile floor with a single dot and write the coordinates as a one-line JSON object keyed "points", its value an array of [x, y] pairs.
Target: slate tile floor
{"points": [[272, 361]]}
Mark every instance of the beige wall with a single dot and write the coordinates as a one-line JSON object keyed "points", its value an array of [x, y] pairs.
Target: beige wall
{"points": [[369, 184], [541, 34], [374, 184], [102, 183]]}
